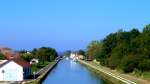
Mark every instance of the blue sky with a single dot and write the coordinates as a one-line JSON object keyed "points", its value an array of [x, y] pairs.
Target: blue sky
{"points": [[67, 24]]}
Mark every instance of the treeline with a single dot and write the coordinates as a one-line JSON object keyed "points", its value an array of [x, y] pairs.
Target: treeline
{"points": [[123, 50], [78, 52], [2, 57], [43, 54]]}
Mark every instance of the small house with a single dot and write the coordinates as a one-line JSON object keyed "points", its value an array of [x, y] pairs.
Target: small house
{"points": [[14, 70]]}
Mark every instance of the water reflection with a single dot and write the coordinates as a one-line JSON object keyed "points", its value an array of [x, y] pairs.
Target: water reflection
{"points": [[73, 65], [69, 72]]}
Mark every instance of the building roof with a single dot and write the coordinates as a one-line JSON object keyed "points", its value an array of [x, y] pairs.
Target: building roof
{"points": [[1, 65], [9, 56], [5, 50], [12, 56], [22, 63]]}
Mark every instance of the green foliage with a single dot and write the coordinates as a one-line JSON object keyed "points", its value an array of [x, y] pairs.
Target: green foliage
{"points": [[123, 50], [34, 51], [2, 57], [81, 52], [67, 53], [146, 75], [34, 68], [144, 65], [27, 56], [93, 49], [43, 54], [137, 72], [46, 54], [129, 63]]}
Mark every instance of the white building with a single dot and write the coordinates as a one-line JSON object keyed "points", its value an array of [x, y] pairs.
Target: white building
{"points": [[14, 71], [75, 57], [72, 55]]}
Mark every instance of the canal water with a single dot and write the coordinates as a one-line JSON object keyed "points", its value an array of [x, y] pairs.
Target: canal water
{"points": [[69, 72]]}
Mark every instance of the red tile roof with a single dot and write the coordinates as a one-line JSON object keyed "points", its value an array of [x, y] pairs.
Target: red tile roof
{"points": [[16, 58], [10, 56], [22, 63], [5, 50]]}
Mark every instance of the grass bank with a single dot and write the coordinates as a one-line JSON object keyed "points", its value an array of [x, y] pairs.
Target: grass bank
{"points": [[142, 75], [112, 75], [39, 66]]}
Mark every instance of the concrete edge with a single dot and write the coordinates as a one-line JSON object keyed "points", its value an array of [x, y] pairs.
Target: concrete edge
{"points": [[42, 77]]}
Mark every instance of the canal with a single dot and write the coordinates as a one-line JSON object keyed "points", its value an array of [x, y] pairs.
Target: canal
{"points": [[69, 72]]}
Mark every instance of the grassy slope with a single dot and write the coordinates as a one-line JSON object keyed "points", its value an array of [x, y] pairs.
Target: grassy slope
{"points": [[145, 79], [39, 78]]}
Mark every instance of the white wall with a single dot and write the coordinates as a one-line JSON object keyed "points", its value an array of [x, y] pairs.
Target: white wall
{"points": [[72, 55], [13, 72]]}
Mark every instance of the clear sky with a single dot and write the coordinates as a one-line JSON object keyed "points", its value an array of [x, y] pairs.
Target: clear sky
{"points": [[67, 24]]}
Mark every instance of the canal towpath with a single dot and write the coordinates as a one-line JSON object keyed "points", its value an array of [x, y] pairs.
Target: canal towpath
{"points": [[125, 79]]}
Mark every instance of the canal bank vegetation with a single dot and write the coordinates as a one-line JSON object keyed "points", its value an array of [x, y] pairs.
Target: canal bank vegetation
{"points": [[125, 51], [96, 70], [40, 79], [41, 60], [43, 55]]}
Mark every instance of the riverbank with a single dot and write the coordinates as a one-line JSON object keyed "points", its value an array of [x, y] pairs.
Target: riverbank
{"points": [[44, 72], [113, 76]]}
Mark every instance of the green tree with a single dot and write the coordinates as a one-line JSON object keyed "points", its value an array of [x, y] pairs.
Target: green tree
{"points": [[144, 65], [67, 53], [129, 63], [34, 51], [125, 50], [27, 56], [2, 57], [81, 52], [92, 49], [46, 54]]}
